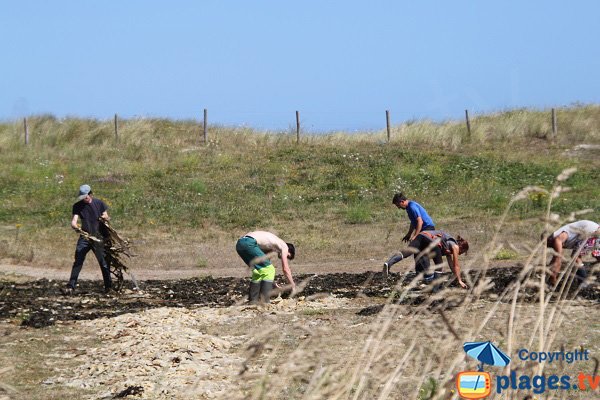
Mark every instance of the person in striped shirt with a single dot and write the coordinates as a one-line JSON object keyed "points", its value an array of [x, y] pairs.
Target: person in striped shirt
{"points": [[571, 236]]}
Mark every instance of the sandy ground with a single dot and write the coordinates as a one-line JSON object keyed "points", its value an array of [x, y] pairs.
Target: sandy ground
{"points": [[342, 339], [300, 348]]}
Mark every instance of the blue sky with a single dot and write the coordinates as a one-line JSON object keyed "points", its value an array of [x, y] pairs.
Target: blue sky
{"points": [[340, 63]]}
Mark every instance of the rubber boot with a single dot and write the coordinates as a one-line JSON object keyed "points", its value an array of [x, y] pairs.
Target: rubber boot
{"points": [[581, 272], [437, 275], [254, 292], [581, 276], [265, 291]]}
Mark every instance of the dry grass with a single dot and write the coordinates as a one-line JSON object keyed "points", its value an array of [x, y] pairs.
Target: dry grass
{"points": [[403, 352], [577, 124], [416, 352]]}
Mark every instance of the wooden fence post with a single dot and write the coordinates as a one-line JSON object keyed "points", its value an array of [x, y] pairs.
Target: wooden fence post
{"points": [[554, 127], [387, 122], [26, 131], [205, 125], [116, 127], [468, 123], [297, 127]]}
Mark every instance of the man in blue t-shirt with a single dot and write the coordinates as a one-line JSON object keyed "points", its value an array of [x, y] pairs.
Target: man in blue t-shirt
{"points": [[90, 211], [419, 219]]}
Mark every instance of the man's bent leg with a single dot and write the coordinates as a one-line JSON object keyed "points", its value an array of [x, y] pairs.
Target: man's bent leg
{"points": [[99, 253], [422, 265], [393, 260], [81, 250], [265, 290], [264, 277], [254, 292]]}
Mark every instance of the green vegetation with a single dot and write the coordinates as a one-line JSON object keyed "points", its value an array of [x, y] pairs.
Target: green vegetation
{"points": [[428, 390], [201, 262], [506, 254], [159, 177], [313, 311]]}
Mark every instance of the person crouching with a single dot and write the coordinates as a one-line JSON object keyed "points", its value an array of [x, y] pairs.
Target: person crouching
{"points": [[253, 249], [434, 244]]}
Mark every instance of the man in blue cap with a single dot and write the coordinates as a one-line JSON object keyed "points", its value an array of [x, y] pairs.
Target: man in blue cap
{"points": [[90, 211]]}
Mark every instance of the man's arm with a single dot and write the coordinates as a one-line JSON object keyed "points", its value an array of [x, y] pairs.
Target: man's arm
{"points": [[105, 216], [557, 245], [408, 236], [418, 228], [74, 221], [455, 266], [413, 217], [286, 269]]}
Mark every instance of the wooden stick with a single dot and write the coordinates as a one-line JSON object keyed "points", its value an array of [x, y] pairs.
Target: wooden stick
{"points": [[554, 127], [116, 127], [26, 131], [468, 122], [297, 126], [205, 125], [387, 122]]}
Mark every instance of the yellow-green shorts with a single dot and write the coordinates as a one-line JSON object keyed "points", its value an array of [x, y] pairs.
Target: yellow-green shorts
{"points": [[264, 274]]}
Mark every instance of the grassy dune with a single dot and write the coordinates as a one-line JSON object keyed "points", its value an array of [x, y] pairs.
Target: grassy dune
{"points": [[184, 202], [330, 193]]}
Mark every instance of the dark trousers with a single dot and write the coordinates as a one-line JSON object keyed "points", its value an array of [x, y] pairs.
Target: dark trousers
{"points": [[422, 262], [417, 243], [83, 247]]}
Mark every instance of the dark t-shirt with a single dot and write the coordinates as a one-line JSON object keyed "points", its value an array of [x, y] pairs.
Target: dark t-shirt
{"points": [[89, 214]]}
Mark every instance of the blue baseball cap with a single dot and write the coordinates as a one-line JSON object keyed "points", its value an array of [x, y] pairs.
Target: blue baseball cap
{"points": [[84, 190]]}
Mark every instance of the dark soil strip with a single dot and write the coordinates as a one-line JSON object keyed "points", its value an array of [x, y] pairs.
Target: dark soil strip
{"points": [[40, 303]]}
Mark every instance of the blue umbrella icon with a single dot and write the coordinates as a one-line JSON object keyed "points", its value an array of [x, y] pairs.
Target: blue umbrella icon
{"points": [[486, 353]]}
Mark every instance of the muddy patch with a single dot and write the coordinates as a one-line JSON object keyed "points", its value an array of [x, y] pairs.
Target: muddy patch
{"points": [[41, 303]]}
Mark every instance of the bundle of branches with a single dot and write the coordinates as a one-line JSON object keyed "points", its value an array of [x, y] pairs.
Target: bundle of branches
{"points": [[115, 248]]}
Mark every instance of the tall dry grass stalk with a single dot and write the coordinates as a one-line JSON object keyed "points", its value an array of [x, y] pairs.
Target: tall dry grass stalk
{"points": [[416, 351]]}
